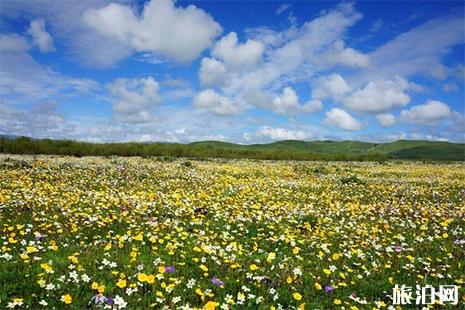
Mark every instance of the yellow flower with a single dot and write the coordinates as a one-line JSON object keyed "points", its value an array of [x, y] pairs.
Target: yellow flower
{"points": [[327, 271], [296, 250], [150, 279], [67, 299], [142, 277], [317, 286], [161, 269], [253, 267], [297, 296], [204, 268], [211, 305], [289, 280], [336, 256], [101, 289], [121, 283], [302, 306], [337, 301], [271, 256], [199, 292], [31, 249], [94, 285]]}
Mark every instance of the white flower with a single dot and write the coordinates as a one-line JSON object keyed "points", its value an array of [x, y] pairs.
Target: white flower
{"points": [[43, 303], [85, 278], [191, 283], [119, 302], [176, 299]]}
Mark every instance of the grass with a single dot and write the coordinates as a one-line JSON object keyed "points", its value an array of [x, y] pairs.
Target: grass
{"points": [[266, 229]]}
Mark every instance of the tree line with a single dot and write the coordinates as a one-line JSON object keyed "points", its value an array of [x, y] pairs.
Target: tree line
{"points": [[25, 145]]}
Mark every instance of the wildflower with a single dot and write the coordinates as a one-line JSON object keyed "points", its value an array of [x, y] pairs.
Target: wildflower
{"points": [[253, 267], [329, 289], [211, 305], [216, 281], [67, 299], [317, 286], [337, 301], [169, 269], [121, 283], [16, 302], [142, 277], [297, 296], [150, 279], [119, 302]]}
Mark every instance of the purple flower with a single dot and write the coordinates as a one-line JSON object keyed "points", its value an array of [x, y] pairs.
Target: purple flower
{"points": [[169, 269], [217, 282], [38, 237], [329, 288], [110, 300], [398, 248]]}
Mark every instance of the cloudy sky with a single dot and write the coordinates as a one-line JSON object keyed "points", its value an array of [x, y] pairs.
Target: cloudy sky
{"points": [[244, 72]]}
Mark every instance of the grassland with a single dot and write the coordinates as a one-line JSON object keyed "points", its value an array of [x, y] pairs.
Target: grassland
{"points": [[282, 150], [139, 233]]}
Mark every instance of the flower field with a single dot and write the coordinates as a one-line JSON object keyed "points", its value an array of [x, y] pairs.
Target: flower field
{"points": [[138, 233]]}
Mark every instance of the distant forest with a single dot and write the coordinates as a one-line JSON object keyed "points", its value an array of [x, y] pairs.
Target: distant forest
{"points": [[283, 150]]}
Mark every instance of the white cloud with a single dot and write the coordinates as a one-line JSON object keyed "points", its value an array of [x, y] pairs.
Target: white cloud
{"points": [[342, 120], [238, 56], [214, 102], [450, 87], [281, 133], [333, 86], [386, 120], [212, 72], [133, 99], [162, 28], [13, 43], [288, 103], [400, 57], [283, 7], [338, 54], [429, 113], [42, 39], [379, 96]]}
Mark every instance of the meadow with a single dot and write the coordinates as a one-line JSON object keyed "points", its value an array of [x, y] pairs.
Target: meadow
{"points": [[136, 233]]}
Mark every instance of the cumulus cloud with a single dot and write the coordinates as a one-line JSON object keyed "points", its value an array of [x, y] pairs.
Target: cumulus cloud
{"points": [[162, 28], [212, 72], [216, 103], [379, 96], [281, 133], [386, 120], [235, 55], [429, 113], [288, 103], [338, 54], [42, 39], [333, 86], [133, 99], [342, 120]]}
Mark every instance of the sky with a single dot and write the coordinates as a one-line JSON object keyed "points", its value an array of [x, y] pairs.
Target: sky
{"points": [[237, 71]]}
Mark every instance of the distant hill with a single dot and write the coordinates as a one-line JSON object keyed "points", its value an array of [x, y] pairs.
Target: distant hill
{"points": [[402, 149], [281, 150]]}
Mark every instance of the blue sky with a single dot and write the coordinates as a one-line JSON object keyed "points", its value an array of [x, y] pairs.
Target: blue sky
{"points": [[245, 72]]}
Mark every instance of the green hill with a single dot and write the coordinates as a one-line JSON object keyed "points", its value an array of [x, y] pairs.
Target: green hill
{"points": [[289, 149]]}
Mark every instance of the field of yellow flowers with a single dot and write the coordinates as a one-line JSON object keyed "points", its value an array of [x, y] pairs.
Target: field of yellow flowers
{"points": [[135, 233]]}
